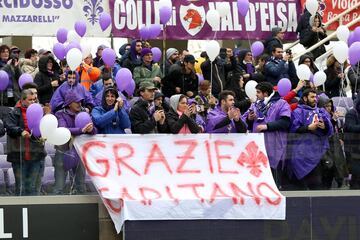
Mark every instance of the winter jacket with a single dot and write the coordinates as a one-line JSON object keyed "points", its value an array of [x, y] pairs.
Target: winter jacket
{"points": [[44, 78], [147, 74], [28, 66], [276, 69], [354, 78], [216, 75], [110, 122], [332, 83], [88, 75], [142, 120], [13, 89], [133, 58], [14, 124], [175, 122]]}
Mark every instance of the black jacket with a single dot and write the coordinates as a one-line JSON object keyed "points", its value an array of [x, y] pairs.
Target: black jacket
{"points": [[332, 83], [354, 78], [175, 123], [14, 74], [177, 78], [44, 78], [14, 124], [141, 121]]}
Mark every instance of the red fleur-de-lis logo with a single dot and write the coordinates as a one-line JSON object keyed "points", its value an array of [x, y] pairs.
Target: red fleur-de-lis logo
{"points": [[253, 159]]}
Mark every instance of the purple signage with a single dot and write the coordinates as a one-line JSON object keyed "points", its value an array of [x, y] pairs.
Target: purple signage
{"points": [[188, 20]]}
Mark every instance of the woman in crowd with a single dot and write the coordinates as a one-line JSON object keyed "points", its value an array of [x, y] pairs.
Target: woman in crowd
{"points": [[111, 117], [180, 118], [335, 81]]}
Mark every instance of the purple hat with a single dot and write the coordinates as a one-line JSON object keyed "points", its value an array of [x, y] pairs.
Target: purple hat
{"points": [[72, 96], [145, 51]]}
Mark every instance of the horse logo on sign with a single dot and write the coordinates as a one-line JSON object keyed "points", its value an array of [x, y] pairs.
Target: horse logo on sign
{"points": [[192, 18]]}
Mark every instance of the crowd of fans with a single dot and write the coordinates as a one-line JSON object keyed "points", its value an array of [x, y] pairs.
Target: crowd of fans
{"points": [[308, 145]]}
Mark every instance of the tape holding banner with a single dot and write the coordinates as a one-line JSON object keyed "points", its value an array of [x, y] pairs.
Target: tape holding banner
{"points": [[169, 177], [43, 18], [189, 19]]}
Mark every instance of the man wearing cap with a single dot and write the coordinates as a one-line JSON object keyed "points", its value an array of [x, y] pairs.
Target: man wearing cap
{"points": [[182, 79], [147, 72], [143, 120], [277, 36], [172, 56], [133, 58], [97, 61]]}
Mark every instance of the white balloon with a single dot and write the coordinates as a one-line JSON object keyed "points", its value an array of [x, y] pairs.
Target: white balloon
{"points": [[341, 51], [72, 36], [212, 49], [250, 89], [312, 6], [60, 136], [303, 72], [85, 49], [48, 125], [213, 19], [223, 9], [342, 33], [74, 58], [319, 78], [165, 3]]}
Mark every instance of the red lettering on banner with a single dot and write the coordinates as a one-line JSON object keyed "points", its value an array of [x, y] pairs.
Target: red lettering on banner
{"points": [[193, 186], [109, 204], [253, 159], [275, 202], [168, 191], [219, 157], [216, 190], [155, 156], [120, 160], [192, 144], [126, 194], [103, 161], [147, 200], [208, 151], [239, 193]]}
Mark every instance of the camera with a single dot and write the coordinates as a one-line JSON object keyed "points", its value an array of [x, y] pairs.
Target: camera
{"points": [[13, 58], [289, 52]]}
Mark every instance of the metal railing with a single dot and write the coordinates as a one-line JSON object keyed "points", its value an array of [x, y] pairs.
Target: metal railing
{"points": [[337, 18], [328, 38]]}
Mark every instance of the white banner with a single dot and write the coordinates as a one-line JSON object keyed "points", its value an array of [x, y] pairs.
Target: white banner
{"points": [[162, 177], [45, 17]]}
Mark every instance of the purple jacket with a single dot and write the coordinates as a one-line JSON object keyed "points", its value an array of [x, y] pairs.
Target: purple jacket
{"points": [[308, 147], [58, 98], [217, 116], [275, 141]]}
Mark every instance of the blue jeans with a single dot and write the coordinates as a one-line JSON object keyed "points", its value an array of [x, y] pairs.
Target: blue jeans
{"points": [[77, 176], [26, 174]]}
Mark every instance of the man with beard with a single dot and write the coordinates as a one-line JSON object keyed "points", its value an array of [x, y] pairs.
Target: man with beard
{"points": [[313, 127]]}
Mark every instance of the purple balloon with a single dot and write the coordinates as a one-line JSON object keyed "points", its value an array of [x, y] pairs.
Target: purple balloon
{"points": [[155, 30], [156, 54], [284, 86], [200, 77], [243, 7], [165, 14], [105, 21], [80, 28], [61, 35], [123, 78], [25, 78], [145, 33], [71, 46], [351, 39], [354, 51], [130, 88], [311, 78], [357, 34], [4, 80], [257, 48], [82, 119], [59, 51], [109, 56], [34, 113]]}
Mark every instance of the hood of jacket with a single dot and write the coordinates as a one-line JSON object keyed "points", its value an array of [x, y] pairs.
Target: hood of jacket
{"points": [[43, 64]]}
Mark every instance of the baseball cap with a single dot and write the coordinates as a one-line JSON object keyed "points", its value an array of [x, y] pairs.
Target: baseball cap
{"points": [[190, 58], [147, 85]]}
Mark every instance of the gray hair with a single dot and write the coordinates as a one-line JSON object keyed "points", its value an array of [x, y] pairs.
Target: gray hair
{"points": [[25, 93]]}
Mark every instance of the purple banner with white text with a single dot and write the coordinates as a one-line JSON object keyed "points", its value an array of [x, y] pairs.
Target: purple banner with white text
{"points": [[189, 21]]}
